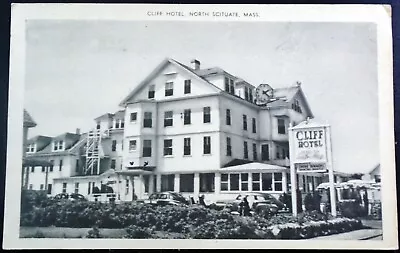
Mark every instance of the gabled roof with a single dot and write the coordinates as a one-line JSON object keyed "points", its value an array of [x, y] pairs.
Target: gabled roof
{"points": [[106, 115], [286, 93], [157, 71], [39, 138], [71, 142], [375, 168], [28, 120]]}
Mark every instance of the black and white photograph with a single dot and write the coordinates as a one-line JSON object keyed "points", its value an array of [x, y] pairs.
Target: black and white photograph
{"points": [[206, 123]]}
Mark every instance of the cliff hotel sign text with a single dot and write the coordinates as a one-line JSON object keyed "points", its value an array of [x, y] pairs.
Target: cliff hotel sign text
{"points": [[309, 146]]}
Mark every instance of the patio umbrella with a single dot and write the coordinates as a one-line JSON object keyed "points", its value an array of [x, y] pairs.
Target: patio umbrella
{"points": [[326, 186]]}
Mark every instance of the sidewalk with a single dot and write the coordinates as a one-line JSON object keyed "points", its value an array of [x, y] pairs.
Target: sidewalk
{"points": [[362, 234]]}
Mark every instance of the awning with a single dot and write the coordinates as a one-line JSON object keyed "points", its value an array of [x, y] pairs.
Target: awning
{"points": [[235, 162], [255, 166]]}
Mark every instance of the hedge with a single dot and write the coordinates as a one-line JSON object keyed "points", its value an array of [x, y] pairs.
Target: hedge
{"points": [[146, 221]]}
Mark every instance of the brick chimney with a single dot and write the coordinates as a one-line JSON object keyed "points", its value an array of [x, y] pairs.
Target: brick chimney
{"points": [[195, 64], [78, 131]]}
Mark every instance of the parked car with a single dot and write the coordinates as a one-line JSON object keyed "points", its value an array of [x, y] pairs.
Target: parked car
{"points": [[166, 198], [70, 196], [258, 201]]}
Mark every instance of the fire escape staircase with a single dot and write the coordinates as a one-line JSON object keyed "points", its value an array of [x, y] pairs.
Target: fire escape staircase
{"points": [[94, 151]]}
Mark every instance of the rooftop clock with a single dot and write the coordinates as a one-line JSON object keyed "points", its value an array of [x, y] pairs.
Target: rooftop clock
{"points": [[264, 93]]}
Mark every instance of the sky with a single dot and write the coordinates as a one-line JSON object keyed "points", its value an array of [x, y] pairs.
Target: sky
{"points": [[79, 70]]}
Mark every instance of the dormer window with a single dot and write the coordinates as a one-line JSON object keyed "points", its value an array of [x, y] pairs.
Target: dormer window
{"points": [[58, 145], [169, 89], [31, 148]]}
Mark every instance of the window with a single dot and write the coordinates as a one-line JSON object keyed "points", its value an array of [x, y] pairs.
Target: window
{"points": [[126, 186], [146, 179], [232, 89], [64, 187], [187, 88], [58, 146], [132, 145], [256, 181], [41, 187], [244, 181], [206, 115], [244, 122], [245, 150], [147, 121], [30, 186], [98, 126], [246, 93], [207, 182], [228, 146], [151, 91], [77, 165], [296, 106], [49, 188], [122, 145], [169, 89], [76, 188], [154, 183], [265, 152], [51, 166], [226, 84], [118, 123], [146, 148], [43, 169], [133, 116], [113, 162], [281, 126], [207, 145], [228, 117], [61, 164], [31, 148], [266, 181], [168, 118], [235, 182], [254, 125], [186, 146], [114, 145], [32, 169], [167, 182], [186, 183], [251, 95], [167, 147], [186, 116], [255, 152]]}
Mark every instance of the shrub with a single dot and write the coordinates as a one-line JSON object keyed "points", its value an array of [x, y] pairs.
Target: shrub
{"points": [[38, 234], [136, 232], [376, 212], [350, 209], [93, 233]]}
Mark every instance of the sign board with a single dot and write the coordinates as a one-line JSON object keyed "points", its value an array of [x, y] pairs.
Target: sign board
{"points": [[309, 145], [311, 167]]}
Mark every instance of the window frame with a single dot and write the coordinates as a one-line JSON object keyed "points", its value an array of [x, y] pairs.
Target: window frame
{"points": [[169, 89], [228, 117], [245, 150], [281, 127], [228, 146], [187, 87], [148, 120], [206, 145], [244, 117], [133, 117], [207, 114], [255, 155], [168, 118], [151, 93], [168, 150], [254, 125], [187, 148], [113, 164], [147, 148], [187, 116], [113, 145], [132, 145]]}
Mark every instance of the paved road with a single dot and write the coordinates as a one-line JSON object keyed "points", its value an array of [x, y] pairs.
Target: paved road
{"points": [[361, 234]]}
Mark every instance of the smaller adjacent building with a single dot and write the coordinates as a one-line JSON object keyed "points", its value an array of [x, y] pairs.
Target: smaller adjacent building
{"points": [[373, 175]]}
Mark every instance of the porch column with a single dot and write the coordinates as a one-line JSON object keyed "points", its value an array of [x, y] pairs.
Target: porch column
{"points": [[158, 186], [132, 183], [196, 183], [217, 183], [151, 183], [177, 183], [139, 186], [284, 182], [118, 188]]}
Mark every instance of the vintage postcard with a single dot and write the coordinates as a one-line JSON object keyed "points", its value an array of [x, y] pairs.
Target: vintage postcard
{"points": [[200, 126]]}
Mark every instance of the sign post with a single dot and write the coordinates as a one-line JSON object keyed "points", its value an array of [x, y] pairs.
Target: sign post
{"points": [[311, 152]]}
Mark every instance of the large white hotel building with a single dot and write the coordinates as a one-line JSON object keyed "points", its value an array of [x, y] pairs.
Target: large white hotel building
{"points": [[187, 129]]}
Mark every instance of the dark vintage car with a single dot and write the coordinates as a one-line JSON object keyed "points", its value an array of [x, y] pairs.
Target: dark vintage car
{"points": [[166, 198], [258, 201], [70, 196]]}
